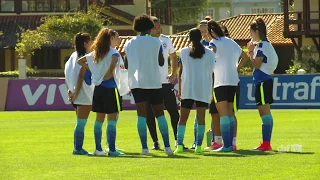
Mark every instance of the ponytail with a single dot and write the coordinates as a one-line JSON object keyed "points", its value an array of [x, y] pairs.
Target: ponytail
{"points": [[197, 50], [260, 25], [80, 39]]}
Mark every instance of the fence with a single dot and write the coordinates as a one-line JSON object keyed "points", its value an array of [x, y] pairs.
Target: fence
{"points": [[289, 92]]}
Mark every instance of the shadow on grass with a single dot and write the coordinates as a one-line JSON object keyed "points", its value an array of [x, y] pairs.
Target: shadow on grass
{"points": [[244, 152], [151, 155], [302, 153], [223, 154]]}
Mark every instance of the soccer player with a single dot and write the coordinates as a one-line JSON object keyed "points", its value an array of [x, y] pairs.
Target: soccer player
{"points": [[80, 89], [265, 60], [106, 99], [168, 96], [206, 38], [143, 58], [216, 141], [196, 68], [225, 80]]}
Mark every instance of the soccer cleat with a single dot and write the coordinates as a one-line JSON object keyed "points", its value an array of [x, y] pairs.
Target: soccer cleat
{"points": [[115, 153], [264, 146], [168, 150], [224, 149], [198, 150], [234, 147], [99, 153], [184, 147], [179, 150], [156, 146], [213, 146], [80, 152], [145, 151], [193, 146]]}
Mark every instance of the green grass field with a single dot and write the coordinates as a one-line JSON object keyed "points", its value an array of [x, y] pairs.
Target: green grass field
{"points": [[38, 145]]}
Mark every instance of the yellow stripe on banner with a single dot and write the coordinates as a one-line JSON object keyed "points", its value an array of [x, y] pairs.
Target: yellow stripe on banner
{"points": [[117, 98], [235, 103], [262, 94], [214, 96]]}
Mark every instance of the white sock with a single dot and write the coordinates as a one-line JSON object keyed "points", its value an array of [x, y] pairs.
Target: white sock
{"points": [[234, 141], [218, 139]]}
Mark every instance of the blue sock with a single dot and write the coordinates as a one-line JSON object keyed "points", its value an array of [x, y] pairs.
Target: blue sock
{"points": [[117, 118], [79, 133], [111, 135], [163, 126], [195, 127], [180, 135], [231, 128], [142, 130], [212, 133], [267, 125], [225, 130], [200, 134], [98, 135]]}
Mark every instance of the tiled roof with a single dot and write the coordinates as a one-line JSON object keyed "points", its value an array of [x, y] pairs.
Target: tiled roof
{"points": [[178, 42], [238, 27]]}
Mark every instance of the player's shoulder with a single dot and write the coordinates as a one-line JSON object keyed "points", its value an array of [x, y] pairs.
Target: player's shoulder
{"points": [[164, 36]]}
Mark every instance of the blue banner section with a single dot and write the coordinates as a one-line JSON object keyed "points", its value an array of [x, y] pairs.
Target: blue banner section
{"points": [[289, 92]]}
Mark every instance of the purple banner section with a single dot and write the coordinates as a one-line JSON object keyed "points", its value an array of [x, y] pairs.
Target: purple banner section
{"points": [[45, 94]]}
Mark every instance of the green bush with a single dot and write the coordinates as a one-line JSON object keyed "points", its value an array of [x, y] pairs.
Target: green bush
{"points": [[15, 73], [294, 68]]}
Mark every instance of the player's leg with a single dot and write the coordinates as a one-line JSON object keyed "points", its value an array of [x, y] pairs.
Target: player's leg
{"points": [[141, 97], [223, 107], [186, 106], [155, 97], [152, 127], [113, 107], [169, 100], [82, 112], [235, 109], [216, 141], [263, 94], [195, 127], [231, 107], [201, 113]]}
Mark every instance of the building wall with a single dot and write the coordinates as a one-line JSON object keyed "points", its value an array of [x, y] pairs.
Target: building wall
{"points": [[137, 8], [219, 7], [7, 60], [245, 7]]}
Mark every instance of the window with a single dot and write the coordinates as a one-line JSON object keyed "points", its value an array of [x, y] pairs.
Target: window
{"points": [[224, 12], [7, 5], [207, 12], [50, 5], [119, 2], [46, 58], [258, 10]]}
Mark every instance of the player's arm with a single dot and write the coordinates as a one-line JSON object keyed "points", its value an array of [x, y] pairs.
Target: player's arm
{"points": [[79, 83], [113, 64], [160, 57], [179, 79], [174, 66], [82, 62], [213, 47], [244, 59]]}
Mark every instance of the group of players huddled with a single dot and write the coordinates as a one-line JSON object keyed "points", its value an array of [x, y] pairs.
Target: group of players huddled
{"points": [[207, 77]]}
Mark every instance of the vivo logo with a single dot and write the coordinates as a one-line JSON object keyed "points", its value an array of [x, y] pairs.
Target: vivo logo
{"points": [[50, 91]]}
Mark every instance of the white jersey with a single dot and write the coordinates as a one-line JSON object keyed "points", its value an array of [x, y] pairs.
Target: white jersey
{"points": [[168, 48], [270, 61], [100, 69], [227, 59], [197, 75], [143, 65], [72, 70]]}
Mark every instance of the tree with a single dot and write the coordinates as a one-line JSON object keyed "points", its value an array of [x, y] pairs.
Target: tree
{"points": [[63, 28], [183, 11]]}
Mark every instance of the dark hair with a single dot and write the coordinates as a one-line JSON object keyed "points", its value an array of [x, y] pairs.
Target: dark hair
{"points": [[142, 23], [80, 39], [259, 25], [195, 37], [225, 30], [155, 19], [101, 45], [215, 27]]}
